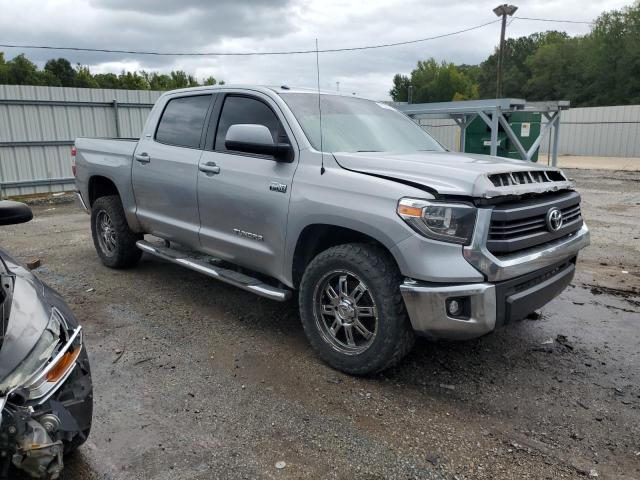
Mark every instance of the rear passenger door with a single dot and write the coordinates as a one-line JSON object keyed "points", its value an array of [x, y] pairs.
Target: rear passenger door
{"points": [[165, 170], [244, 204]]}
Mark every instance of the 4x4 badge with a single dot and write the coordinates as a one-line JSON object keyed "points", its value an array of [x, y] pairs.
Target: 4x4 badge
{"points": [[278, 187]]}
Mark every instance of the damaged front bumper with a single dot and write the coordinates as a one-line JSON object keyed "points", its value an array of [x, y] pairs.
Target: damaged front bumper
{"points": [[43, 420], [481, 307]]}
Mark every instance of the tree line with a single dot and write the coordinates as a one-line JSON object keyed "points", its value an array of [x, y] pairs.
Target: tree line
{"points": [[60, 73], [599, 68]]}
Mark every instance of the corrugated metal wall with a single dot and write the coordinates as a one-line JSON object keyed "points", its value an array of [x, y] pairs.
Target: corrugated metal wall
{"points": [[38, 126], [600, 132], [443, 130], [592, 131]]}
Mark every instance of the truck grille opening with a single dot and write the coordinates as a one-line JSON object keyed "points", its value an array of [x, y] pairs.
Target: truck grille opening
{"points": [[522, 225], [523, 177]]}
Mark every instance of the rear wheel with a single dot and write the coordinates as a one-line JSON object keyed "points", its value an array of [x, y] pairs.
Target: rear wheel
{"points": [[113, 239], [352, 310]]}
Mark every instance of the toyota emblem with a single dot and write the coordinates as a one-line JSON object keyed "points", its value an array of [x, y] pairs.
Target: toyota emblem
{"points": [[554, 219]]}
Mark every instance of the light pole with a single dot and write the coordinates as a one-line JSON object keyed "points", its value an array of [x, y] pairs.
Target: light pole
{"points": [[502, 11]]}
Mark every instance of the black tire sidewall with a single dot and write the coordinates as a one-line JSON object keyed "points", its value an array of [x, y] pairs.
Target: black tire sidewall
{"points": [[126, 253], [95, 212], [365, 262]]}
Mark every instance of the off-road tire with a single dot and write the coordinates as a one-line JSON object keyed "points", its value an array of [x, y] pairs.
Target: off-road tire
{"points": [[125, 254], [375, 266]]}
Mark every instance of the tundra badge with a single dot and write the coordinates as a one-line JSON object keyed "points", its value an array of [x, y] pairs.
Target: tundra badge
{"points": [[252, 236], [278, 187]]}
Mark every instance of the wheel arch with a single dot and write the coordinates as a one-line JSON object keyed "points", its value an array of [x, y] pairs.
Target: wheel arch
{"points": [[318, 237], [101, 186]]}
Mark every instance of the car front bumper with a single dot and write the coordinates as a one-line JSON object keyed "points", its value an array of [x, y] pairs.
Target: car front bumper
{"points": [[488, 305]]}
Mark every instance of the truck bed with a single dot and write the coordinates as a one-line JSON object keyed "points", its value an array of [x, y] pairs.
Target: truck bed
{"points": [[112, 146], [110, 159]]}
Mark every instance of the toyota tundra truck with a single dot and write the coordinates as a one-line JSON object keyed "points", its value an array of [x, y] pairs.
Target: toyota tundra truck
{"points": [[381, 232]]}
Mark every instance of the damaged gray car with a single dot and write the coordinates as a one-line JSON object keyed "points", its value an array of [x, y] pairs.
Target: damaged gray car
{"points": [[46, 394]]}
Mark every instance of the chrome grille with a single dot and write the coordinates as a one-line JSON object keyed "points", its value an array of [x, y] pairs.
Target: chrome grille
{"points": [[523, 225], [523, 177]]}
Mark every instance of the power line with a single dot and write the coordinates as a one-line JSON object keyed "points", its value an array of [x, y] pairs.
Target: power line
{"points": [[231, 54], [553, 20]]}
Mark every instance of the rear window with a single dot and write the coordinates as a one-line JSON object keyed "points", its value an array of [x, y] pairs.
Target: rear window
{"points": [[182, 121]]}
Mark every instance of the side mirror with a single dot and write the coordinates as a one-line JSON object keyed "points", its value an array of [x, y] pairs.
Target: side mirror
{"points": [[12, 213], [252, 138]]}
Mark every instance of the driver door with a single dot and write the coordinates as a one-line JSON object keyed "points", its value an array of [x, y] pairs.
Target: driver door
{"points": [[243, 198]]}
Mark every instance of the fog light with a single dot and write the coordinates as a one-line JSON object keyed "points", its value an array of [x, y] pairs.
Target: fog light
{"points": [[458, 307], [454, 307]]}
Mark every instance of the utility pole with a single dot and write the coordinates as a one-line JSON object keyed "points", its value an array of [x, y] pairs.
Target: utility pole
{"points": [[337, 86], [502, 11]]}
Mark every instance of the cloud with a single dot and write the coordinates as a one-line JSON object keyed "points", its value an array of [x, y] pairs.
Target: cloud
{"points": [[275, 25]]}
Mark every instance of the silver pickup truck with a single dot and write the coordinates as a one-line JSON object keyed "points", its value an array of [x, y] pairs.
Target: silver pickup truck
{"points": [[382, 233]]}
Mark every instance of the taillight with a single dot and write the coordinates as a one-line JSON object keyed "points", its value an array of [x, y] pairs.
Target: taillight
{"points": [[73, 160]]}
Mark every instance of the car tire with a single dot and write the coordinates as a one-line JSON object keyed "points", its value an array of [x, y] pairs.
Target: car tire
{"points": [[113, 239], [360, 325]]}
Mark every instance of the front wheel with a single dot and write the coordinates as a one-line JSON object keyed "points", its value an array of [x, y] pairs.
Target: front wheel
{"points": [[352, 309], [112, 237]]}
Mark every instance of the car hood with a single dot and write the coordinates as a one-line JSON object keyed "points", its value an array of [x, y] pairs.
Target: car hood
{"points": [[449, 173], [30, 310]]}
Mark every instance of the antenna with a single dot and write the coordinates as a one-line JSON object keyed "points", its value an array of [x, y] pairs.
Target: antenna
{"points": [[322, 170]]}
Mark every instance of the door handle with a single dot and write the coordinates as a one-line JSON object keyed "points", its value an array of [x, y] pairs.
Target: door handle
{"points": [[142, 157], [210, 168]]}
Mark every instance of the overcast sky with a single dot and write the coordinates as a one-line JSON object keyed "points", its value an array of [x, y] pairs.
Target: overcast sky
{"points": [[276, 25]]}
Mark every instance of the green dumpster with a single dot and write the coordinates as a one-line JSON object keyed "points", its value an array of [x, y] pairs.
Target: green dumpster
{"points": [[526, 126]]}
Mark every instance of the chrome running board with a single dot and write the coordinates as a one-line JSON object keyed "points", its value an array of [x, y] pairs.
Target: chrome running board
{"points": [[199, 264]]}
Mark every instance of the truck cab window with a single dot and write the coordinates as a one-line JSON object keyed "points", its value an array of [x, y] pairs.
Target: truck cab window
{"points": [[182, 121], [239, 110]]}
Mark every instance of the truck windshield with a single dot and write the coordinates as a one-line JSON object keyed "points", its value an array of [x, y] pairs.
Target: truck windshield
{"points": [[357, 125]]}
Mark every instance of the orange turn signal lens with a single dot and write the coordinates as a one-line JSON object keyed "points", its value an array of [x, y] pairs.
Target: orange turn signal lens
{"points": [[409, 211], [63, 365]]}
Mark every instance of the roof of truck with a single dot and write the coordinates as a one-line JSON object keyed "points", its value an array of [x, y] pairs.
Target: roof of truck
{"points": [[277, 89]]}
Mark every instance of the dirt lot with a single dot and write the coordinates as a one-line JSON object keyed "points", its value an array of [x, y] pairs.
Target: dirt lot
{"points": [[198, 380]]}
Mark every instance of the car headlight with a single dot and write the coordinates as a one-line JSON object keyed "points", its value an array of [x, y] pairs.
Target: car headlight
{"points": [[49, 363], [446, 221]]}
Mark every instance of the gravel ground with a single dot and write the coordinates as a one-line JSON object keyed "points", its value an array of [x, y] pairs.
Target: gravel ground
{"points": [[197, 380]]}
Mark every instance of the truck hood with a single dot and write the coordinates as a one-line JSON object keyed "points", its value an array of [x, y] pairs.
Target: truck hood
{"points": [[447, 173]]}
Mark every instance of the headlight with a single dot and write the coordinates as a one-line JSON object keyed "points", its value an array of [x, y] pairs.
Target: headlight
{"points": [[41, 353], [51, 361], [446, 221]]}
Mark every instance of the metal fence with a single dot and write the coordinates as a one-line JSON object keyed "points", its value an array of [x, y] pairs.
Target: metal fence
{"points": [[591, 131], [39, 124]]}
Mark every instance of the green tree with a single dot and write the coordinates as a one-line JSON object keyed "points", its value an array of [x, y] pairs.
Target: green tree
{"points": [[435, 82], [181, 80], [516, 72], [62, 70], [614, 69], [440, 82], [400, 90], [84, 79], [4, 70], [107, 80], [21, 71], [132, 81]]}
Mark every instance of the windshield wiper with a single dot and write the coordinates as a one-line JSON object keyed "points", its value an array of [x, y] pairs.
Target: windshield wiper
{"points": [[368, 151]]}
